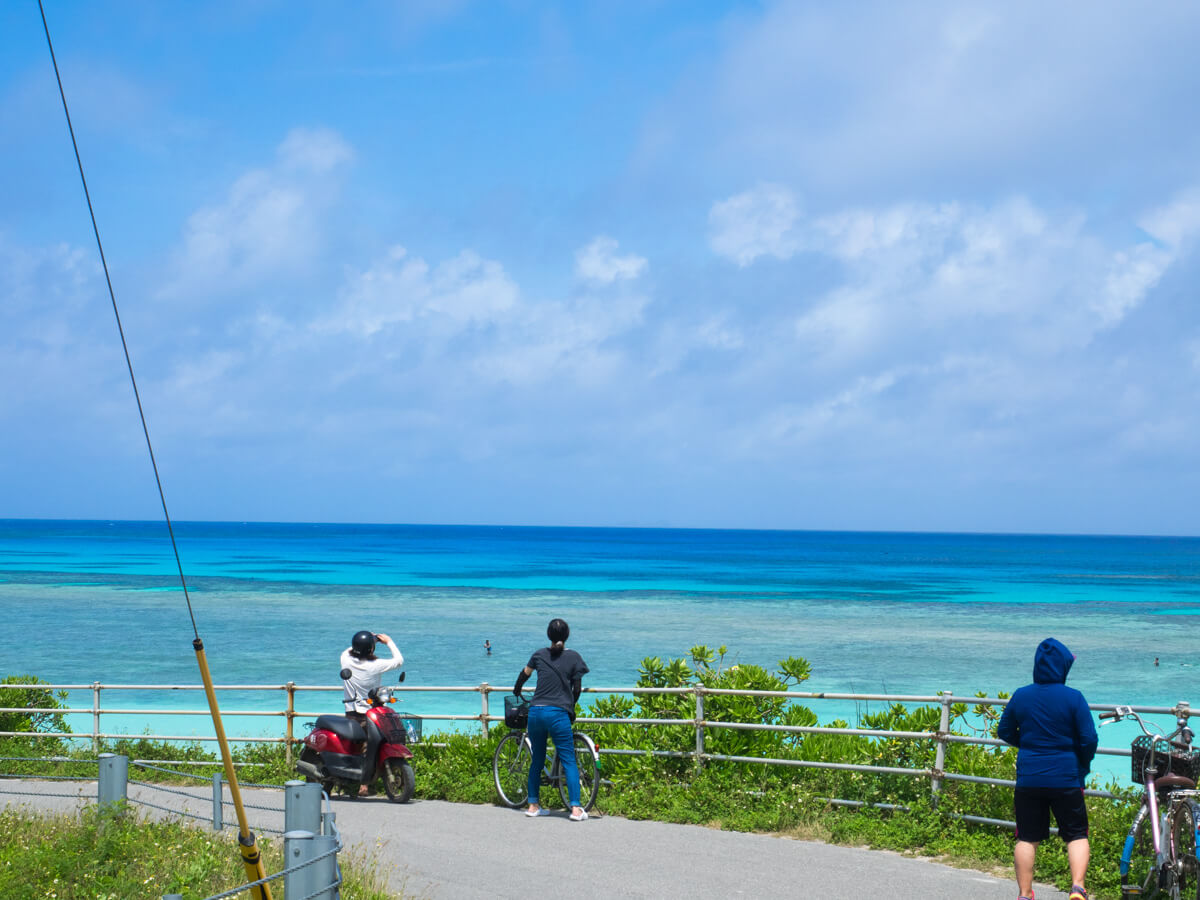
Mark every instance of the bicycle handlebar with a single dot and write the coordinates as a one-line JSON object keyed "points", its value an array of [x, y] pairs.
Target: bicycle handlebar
{"points": [[1182, 711]]}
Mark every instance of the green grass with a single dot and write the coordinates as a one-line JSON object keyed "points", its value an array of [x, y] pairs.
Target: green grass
{"points": [[101, 856]]}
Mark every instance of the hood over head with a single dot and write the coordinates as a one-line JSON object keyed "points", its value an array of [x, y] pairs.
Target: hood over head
{"points": [[1052, 662]]}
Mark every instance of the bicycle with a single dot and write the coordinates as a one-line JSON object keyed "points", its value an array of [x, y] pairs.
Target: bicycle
{"points": [[1160, 857], [514, 755]]}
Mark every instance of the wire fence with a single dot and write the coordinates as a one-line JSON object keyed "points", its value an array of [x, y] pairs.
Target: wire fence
{"points": [[700, 723]]}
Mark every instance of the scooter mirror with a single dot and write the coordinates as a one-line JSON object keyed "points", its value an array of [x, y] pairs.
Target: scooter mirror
{"points": [[402, 674], [345, 674]]}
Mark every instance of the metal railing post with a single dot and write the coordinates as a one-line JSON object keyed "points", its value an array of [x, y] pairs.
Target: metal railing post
{"points": [[302, 807], [113, 785], [95, 717], [699, 727], [291, 714], [297, 849], [483, 718], [939, 757], [218, 802], [317, 881]]}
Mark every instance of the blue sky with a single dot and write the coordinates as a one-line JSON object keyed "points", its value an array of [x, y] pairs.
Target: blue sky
{"points": [[898, 266]]}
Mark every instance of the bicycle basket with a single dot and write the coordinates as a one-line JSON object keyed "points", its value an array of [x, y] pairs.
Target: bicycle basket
{"points": [[398, 729], [1145, 751], [412, 725], [516, 711]]}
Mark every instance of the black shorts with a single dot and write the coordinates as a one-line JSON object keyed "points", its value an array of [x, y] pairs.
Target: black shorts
{"points": [[1032, 808]]}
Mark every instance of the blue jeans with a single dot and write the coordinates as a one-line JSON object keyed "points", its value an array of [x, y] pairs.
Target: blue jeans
{"points": [[552, 722]]}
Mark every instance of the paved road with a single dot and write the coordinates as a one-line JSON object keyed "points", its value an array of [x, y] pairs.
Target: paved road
{"points": [[436, 850]]}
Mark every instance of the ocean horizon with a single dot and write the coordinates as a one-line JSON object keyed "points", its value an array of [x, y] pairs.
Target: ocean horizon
{"points": [[873, 612]]}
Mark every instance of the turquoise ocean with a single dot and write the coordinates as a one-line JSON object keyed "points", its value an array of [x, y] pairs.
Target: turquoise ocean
{"points": [[85, 601]]}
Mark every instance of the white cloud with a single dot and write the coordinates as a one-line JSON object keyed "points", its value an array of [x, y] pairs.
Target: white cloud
{"points": [[1177, 223], [316, 150], [467, 313], [267, 225], [845, 100], [931, 278], [599, 262], [758, 222], [464, 291]]}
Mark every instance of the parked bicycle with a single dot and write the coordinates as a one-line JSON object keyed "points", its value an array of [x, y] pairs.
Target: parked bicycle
{"points": [[514, 755], [1160, 855]]}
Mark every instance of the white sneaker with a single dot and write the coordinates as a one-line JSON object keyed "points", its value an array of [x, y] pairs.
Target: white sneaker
{"points": [[534, 813], [579, 818]]}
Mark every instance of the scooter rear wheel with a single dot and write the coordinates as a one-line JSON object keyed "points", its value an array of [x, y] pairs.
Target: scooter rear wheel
{"points": [[398, 780]]}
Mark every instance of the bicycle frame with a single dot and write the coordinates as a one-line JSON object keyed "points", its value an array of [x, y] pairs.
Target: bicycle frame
{"points": [[552, 772], [1165, 851]]}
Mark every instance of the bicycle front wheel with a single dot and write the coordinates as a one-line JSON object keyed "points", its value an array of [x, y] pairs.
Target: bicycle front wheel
{"points": [[1139, 865], [589, 775], [510, 769], [1184, 845]]}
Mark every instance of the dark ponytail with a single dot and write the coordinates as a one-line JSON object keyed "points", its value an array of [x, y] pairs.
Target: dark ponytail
{"points": [[558, 631]]}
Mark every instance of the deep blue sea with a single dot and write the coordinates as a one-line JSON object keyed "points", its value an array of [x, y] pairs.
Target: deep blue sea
{"points": [[872, 612]]}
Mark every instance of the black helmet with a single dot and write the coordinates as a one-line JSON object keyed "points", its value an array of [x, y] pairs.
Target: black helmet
{"points": [[362, 644]]}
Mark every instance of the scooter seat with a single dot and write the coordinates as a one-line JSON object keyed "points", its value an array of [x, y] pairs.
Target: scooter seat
{"points": [[346, 729]]}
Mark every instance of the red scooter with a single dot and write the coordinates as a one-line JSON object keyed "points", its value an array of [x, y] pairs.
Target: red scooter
{"points": [[341, 751]]}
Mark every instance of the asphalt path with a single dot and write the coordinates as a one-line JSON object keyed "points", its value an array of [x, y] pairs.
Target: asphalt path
{"points": [[431, 849]]}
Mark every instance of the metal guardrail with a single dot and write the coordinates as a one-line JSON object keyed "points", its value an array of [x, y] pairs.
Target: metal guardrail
{"points": [[936, 774], [311, 837]]}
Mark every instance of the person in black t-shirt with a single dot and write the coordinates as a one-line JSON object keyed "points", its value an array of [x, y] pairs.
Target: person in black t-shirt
{"points": [[560, 679]]}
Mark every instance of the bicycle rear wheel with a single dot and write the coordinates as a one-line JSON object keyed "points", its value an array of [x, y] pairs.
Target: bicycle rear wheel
{"points": [[1184, 822], [589, 776], [1139, 865], [510, 769]]}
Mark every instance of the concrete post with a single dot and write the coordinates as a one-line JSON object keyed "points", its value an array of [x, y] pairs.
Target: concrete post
{"points": [[113, 786], [302, 807], [699, 727], [218, 816]]}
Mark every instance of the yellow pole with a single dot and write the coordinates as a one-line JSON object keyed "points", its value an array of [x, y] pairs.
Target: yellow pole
{"points": [[251, 858]]}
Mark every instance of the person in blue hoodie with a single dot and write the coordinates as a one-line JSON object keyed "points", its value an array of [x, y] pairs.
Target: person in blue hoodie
{"points": [[1051, 727]]}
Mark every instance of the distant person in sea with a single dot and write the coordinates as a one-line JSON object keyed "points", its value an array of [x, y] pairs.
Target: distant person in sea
{"points": [[1051, 727], [551, 713], [366, 671], [487, 645], [1156, 662]]}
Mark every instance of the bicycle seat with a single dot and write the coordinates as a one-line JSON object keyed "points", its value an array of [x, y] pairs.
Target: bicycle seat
{"points": [[344, 728], [1174, 783]]}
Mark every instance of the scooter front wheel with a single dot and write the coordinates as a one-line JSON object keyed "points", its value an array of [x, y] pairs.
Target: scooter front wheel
{"points": [[398, 780]]}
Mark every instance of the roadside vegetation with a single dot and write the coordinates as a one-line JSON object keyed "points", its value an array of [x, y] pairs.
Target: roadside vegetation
{"points": [[112, 855], [898, 813]]}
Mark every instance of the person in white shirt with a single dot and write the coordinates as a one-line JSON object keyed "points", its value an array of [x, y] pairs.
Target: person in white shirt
{"points": [[366, 671]]}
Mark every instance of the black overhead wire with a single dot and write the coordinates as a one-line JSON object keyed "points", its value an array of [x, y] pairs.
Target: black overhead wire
{"points": [[124, 345]]}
